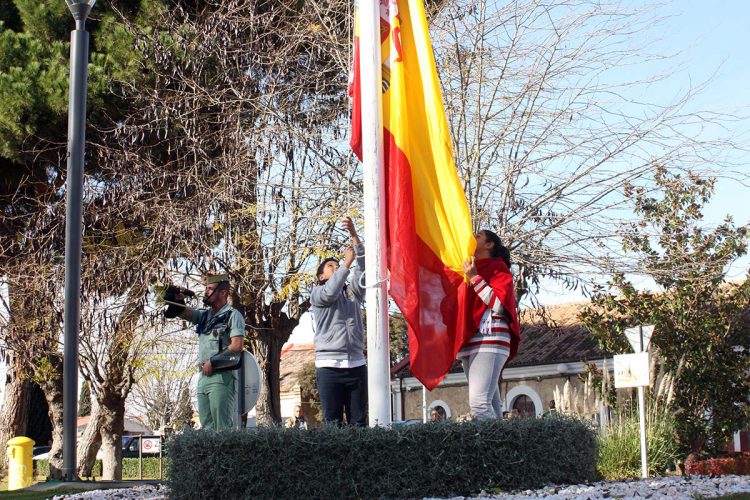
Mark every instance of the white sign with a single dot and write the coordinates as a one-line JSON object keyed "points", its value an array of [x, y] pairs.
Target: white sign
{"points": [[634, 337], [631, 370], [150, 445], [253, 381]]}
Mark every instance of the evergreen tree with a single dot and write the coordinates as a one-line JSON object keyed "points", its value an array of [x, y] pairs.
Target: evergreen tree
{"points": [[84, 401], [701, 332], [34, 70]]}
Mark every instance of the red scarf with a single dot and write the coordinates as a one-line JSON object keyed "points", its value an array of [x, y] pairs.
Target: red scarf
{"points": [[498, 277]]}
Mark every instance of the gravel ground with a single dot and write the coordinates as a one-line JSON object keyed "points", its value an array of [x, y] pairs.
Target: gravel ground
{"points": [[661, 488]]}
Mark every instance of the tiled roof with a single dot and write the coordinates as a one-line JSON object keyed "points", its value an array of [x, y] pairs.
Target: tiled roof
{"points": [[554, 335], [548, 336]]}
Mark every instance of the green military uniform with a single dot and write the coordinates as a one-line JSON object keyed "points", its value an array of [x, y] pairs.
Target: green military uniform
{"points": [[216, 392]]}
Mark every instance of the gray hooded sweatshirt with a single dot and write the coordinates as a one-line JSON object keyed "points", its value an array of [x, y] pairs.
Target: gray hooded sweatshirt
{"points": [[337, 314]]}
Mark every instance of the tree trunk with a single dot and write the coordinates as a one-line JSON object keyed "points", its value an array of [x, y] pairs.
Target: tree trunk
{"points": [[273, 372], [53, 391], [14, 415], [267, 349], [113, 424], [39, 427], [90, 441], [264, 407]]}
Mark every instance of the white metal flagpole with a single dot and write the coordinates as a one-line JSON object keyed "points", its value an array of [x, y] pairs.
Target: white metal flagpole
{"points": [[378, 355]]}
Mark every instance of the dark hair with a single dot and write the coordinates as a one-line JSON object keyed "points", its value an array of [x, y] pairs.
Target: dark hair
{"points": [[223, 285], [497, 250], [322, 265]]}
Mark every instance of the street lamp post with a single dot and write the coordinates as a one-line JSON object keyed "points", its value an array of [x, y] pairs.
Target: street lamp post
{"points": [[79, 55]]}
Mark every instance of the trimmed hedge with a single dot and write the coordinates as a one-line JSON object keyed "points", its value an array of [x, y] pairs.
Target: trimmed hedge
{"points": [[129, 468], [735, 463], [440, 459]]}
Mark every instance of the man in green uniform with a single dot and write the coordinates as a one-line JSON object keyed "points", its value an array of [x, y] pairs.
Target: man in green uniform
{"points": [[221, 330]]}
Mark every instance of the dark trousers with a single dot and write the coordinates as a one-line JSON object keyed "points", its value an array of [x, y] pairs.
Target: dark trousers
{"points": [[343, 390]]}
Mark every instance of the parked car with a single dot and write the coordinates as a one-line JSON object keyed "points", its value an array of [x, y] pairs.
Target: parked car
{"points": [[41, 452], [151, 445]]}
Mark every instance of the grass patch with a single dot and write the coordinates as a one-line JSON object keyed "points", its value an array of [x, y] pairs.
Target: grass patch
{"points": [[620, 448]]}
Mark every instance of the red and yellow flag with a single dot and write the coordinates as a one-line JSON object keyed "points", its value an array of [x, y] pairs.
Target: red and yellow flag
{"points": [[429, 228]]}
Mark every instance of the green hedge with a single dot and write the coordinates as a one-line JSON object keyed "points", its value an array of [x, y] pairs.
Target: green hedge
{"points": [[129, 468], [440, 459]]}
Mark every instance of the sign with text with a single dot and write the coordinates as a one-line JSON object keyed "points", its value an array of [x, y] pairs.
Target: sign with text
{"points": [[631, 370]]}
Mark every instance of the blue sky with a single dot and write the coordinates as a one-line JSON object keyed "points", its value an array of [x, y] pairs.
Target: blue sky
{"points": [[717, 39], [714, 40], [711, 41]]}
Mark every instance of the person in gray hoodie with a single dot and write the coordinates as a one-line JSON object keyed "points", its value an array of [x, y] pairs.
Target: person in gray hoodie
{"points": [[339, 335]]}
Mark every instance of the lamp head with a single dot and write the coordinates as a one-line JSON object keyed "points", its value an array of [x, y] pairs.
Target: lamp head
{"points": [[80, 9]]}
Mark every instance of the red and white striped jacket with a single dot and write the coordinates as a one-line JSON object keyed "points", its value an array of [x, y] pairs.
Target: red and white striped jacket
{"points": [[493, 334]]}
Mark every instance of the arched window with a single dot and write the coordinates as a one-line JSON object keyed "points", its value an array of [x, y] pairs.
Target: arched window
{"points": [[442, 408], [524, 399], [525, 406]]}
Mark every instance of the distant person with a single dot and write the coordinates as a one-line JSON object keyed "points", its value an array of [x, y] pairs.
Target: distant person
{"points": [[297, 421], [552, 409], [221, 333], [494, 323], [438, 414], [339, 336]]}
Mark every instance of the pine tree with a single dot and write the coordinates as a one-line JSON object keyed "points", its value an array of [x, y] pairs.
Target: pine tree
{"points": [[84, 401]]}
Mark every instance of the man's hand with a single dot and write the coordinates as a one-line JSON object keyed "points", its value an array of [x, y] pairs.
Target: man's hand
{"points": [[348, 224], [207, 369], [470, 268], [349, 257]]}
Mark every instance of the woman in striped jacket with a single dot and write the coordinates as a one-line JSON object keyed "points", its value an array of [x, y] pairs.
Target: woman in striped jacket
{"points": [[494, 332]]}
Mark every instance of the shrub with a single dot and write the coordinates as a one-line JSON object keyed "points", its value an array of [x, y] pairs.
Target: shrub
{"points": [[150, 468], [129, 468], [442, 459], [736, 463], [620, 447]]}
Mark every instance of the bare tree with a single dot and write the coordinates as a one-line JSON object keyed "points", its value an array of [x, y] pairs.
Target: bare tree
{"points": [[548, 126], [163, 392], [242, 137], [31, 339]]}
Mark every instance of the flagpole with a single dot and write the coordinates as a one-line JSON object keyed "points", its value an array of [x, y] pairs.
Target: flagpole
{"points": [[378, 355]]}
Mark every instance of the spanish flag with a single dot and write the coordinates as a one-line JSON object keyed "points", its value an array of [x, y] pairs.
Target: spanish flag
{"points": [[428, 225]]}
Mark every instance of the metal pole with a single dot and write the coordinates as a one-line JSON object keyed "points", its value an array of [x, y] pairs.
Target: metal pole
{"points": [[79, 49], [642, 415], [161, 445], [140, 457], [378, 355], [424, 404], [642, 422]]}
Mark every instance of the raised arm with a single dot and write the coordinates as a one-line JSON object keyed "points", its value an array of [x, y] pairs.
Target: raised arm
{"points": [[325, 295]]}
